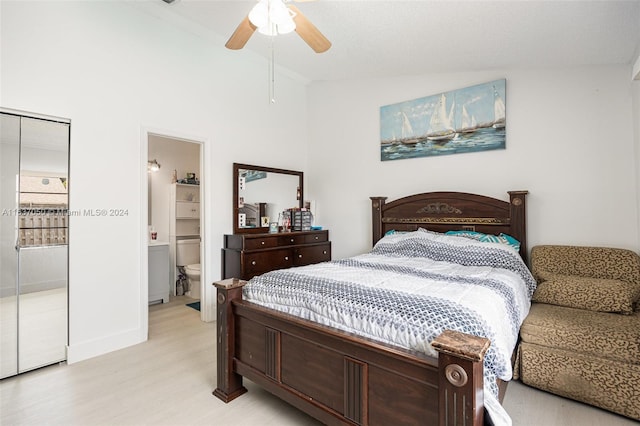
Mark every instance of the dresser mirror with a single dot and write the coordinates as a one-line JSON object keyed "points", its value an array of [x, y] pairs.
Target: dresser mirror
{"points": [[260, 194]]}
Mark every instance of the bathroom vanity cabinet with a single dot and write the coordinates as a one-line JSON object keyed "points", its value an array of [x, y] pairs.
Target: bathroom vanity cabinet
{"points": [[247, 255], [159, 282]]}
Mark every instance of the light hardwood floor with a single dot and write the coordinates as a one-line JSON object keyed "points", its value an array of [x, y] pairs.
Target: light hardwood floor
{"points": [[168, 380]]}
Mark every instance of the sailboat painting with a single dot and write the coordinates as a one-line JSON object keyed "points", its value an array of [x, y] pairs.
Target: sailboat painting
{"points": [[471, 119]]}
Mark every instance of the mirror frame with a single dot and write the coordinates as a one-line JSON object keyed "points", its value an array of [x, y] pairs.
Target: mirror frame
{"points": [[236, 170]]}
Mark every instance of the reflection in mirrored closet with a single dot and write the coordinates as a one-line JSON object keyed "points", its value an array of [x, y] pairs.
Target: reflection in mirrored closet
{"points": [[34, 229]]}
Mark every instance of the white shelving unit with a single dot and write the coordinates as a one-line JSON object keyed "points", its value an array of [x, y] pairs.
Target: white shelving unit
{"points": [[184, 220]]}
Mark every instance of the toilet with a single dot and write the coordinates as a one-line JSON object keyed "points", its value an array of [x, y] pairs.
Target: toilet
{"points": [[188, 258]]}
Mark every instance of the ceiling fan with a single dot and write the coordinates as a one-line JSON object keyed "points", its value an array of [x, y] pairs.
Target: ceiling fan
{"points": [[273, 17]]}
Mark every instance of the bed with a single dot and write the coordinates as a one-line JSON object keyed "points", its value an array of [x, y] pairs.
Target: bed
{"points": [[347, 375]]}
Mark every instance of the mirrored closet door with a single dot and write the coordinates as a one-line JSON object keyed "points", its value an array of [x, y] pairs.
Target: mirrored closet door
{"points": [[34, 169]]}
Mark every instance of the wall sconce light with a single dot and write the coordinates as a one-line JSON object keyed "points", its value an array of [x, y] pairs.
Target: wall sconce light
{"points": [[153, 165]]}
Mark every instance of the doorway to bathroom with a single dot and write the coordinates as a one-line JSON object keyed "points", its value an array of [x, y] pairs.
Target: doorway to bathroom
{"points": [[175, 236]]}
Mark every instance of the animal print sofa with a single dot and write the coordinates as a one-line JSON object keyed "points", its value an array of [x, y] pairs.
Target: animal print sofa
{"points": [[581, 339]]}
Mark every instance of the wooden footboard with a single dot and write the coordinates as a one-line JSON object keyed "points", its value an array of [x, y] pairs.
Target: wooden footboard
{"points": [[341, 378]]}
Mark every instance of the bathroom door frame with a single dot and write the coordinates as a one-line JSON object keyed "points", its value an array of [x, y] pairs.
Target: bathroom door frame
{"points": [[206, 314]]}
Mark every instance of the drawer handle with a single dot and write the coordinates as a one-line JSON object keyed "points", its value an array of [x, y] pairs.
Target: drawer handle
{"points": [[253, 262], [324, 252], [299, 256], [292, 240], [286, 258], [262, 242], [317, 237]]}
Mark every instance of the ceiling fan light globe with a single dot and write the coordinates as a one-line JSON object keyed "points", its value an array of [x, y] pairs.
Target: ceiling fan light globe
{"points": [[286, 27], [278, 12], [269, 29], [259, 15]]}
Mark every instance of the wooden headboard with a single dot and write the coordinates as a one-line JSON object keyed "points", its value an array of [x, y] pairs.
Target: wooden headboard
{"points": [[446, 211]]}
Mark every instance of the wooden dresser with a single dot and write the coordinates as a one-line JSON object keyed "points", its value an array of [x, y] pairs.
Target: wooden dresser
{"points": [[247, 255]]}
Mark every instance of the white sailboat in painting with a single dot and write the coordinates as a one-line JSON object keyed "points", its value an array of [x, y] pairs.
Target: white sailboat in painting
{"points": [[408, 135], [407, 129], [469, 124], [440, 128], [499, 120]]}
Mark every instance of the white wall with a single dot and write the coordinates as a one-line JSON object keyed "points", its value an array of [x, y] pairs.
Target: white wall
{"points": [[114, 71], [569, 142]]}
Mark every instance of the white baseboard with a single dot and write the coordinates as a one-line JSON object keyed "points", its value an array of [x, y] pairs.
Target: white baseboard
{"points": [[85, 350]]}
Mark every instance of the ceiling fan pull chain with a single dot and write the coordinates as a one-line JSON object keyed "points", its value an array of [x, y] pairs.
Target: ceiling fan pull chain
{"points": [[272, 73]]}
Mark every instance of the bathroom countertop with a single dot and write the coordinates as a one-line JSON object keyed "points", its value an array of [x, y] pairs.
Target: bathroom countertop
{"points": [[158, 243]]}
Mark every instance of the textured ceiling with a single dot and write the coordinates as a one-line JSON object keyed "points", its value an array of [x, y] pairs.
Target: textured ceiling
{"points": [[391, 38]]}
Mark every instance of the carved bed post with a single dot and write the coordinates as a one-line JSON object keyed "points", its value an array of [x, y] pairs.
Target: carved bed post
{"points": [[377, 203], [518, 203], [229, 383], [460, 382]]}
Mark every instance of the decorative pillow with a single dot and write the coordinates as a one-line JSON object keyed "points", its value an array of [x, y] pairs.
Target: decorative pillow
{"points": [[593, 294], [395, 232], [488, 238], [511, 241]]}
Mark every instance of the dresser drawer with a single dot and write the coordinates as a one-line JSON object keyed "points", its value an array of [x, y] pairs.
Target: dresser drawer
{"points": [[318, 237], [261, 243], [264, 261], [291, 239], [310, 254]]}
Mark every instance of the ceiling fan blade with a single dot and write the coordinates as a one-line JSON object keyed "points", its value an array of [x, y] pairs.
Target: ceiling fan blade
{"points": [[309, 33], [241, 35]]}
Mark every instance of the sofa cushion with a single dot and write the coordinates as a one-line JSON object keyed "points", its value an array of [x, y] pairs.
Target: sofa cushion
{"points": [[595, 294], [602, 382], [597, 334]]}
